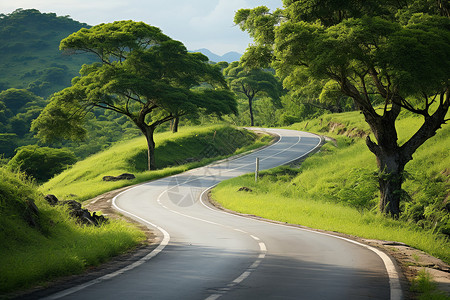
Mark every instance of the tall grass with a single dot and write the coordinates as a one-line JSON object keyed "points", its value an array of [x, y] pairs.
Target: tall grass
{"points": [[268, 201]]}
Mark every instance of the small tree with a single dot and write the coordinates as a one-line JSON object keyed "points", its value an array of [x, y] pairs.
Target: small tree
{"points": [[396, 51], [142, 74], [252, 83]]}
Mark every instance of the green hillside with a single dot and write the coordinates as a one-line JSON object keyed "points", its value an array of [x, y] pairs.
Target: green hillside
{"points": [[31, 59], [337, 189], [175, 153], [43, 243]]}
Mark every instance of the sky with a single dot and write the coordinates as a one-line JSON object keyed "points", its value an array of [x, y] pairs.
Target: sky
{"points": [[196, 23]]}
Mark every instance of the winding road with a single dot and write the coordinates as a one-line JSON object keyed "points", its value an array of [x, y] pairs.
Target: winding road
{"points": [[209, 254]]}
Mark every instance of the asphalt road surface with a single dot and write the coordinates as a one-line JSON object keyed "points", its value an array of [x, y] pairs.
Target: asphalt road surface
{"points": [[209, 254]]}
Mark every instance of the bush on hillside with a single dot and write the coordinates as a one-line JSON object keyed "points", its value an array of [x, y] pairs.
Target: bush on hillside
{"points": [[42, 163]]}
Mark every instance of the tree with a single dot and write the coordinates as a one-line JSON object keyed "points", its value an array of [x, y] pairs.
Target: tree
{"points": [[396, 52], [142, 74], [252, 83]]}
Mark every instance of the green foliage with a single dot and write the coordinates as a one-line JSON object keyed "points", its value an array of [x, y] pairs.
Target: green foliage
{"points": [[16, 99], [8, 144], [18, 107], [30, 56], [54, 245], [253, 84], [143, 75], [426, 287], [41, 163]]}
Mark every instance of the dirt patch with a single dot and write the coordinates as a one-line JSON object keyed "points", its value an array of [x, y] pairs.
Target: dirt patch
{"points": [[342, 129]]}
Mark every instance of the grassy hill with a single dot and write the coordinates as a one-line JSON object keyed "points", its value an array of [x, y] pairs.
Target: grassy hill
{"points": [[48, 244], [31, 59], [39, 242], [336, 189]]}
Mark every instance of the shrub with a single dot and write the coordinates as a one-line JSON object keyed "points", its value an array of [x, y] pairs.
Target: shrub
{"points": [[41, 163]]}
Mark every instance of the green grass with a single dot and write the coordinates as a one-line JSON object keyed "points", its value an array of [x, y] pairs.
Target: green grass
{"points": [[426, 288], [267, 200], [57, 246], [336, 189], [199, 144]]}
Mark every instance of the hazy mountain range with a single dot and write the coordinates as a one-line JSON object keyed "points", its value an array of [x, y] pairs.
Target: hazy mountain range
{"points": [[228, 57]]}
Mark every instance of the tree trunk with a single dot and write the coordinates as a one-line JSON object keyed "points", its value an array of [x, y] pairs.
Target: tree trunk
{"points": [[391, 160], [390, 179], [151, 161], [250, 106], [174, 124]]}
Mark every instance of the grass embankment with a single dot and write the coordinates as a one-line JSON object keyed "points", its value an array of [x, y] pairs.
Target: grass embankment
{"points": [[336, 189], [57, 245], [175, 153], [36, 248]]}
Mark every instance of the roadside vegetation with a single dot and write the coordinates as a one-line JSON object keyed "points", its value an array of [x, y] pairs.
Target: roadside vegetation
{"points": [[39, 242], [189, 148], [49, 244], [336, 189]]}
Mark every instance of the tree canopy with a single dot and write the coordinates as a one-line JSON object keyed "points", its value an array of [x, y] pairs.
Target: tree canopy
{"points": [[253, 83], [143, 74], [396, 53]]}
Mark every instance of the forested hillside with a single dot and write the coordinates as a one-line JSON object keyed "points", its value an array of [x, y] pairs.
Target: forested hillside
{"points": [[33, 68], [31, 59]]}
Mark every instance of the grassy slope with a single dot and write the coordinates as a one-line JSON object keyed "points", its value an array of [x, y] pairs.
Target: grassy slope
{"points": [[333, 188], [84, 180], [57, 246], [61, 247]]}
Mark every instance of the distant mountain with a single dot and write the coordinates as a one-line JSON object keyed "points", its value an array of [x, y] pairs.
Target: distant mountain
{"points": [[228, 57]]}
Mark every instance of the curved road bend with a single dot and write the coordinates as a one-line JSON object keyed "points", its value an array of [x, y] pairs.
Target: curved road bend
{"points": [[209, 254]]}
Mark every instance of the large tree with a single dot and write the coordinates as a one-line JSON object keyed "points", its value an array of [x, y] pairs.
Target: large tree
{"points": [[253, 83], [142, 74], [396, 52]]}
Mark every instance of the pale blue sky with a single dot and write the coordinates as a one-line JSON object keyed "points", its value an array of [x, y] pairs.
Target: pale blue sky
{"points": [[196, 23]]}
